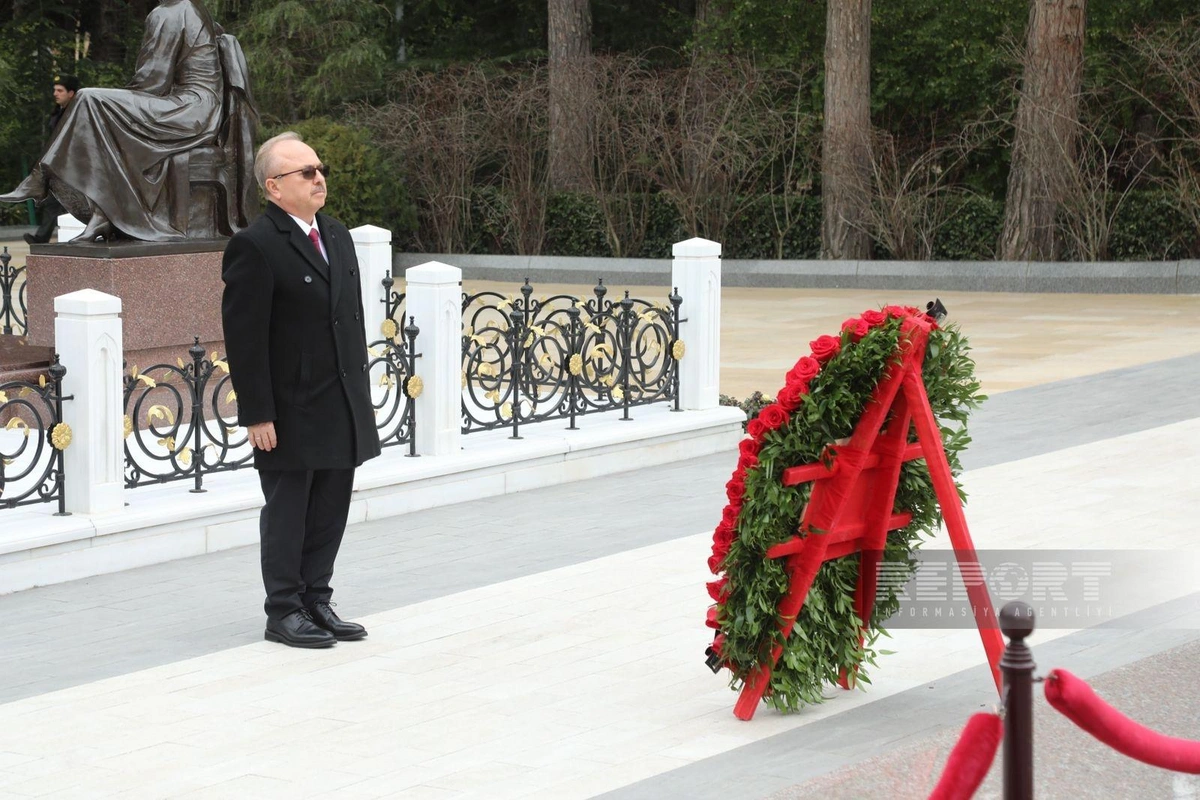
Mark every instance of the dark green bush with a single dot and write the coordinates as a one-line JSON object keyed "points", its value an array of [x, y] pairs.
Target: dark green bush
{"points": [[575, 226], [364, 189], [971, 231], [762, 229], [485, 231], [664, 228], [1149, 227]]}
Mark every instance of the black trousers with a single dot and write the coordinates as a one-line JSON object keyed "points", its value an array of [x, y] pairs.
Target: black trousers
{"points": [[300, 530]]}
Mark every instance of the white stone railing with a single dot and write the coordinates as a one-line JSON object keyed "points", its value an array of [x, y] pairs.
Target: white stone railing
{"points": [[89, 335]]}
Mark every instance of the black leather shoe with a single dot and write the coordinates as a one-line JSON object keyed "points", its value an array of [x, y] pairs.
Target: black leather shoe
{"points": [[323, 615], [297, 630]]}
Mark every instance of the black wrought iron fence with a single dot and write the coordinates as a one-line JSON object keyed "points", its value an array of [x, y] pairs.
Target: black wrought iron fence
{"points": [[395, 384], [15, 312], [529, 360], [393, 303], [181, 422], [32, 439], [181, 418]]}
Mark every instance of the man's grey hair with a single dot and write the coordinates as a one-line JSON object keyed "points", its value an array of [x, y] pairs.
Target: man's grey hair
{"points": [[263, 159]]}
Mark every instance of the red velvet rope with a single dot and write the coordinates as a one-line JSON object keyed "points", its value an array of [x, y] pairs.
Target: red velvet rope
{"points": [[970, 759], [1075, 700]]}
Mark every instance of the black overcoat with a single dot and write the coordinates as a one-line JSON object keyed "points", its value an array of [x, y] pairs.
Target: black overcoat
{"points": [[295, 343]]}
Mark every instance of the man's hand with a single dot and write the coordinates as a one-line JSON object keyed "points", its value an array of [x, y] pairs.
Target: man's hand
{"points": [[262, 436]]}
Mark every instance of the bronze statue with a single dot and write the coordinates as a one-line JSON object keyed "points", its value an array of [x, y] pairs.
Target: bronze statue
{"points": [[170, 157]]}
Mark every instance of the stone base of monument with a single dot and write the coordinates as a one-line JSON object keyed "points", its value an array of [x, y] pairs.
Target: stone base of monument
{"points": [[20, 361], [170, 293]]}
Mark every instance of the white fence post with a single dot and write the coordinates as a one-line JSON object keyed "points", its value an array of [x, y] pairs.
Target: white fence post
{"points": [[434, 301], [696, 272], [373, 246], [68, 227], [88, 338]]}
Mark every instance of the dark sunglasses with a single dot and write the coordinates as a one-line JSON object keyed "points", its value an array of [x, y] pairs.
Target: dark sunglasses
{"points": [[308, 173]]}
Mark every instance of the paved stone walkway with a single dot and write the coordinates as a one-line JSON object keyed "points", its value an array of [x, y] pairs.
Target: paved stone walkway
{"points": [[549, 644]]}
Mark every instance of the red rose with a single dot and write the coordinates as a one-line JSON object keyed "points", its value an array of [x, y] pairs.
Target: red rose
{"points": [[719, 552], [756, 428], [730, 514], [723, 537], [714, 563], [825, 347], [718, 643], [804, 371], [899, 312], [773, 417], [735, 489], [710, 619], [718, 589], [749, 447], [874, 318], [791, 396], [747, 461], [856, 327]]}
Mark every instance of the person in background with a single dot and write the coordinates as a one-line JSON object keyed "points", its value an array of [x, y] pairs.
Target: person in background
{"points": [[65, 87]]}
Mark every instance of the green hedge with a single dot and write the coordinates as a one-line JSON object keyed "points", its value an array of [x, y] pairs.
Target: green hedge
{"points": [[774, 227], [1149, 227], [575, 226], [364, 189], [971, 231]]}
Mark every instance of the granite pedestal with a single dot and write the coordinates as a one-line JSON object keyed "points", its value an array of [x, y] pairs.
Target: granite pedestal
{"points": [[170, 293]]}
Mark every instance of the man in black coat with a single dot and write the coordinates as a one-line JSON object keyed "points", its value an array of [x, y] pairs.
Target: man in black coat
{"points": [[297, 353]]}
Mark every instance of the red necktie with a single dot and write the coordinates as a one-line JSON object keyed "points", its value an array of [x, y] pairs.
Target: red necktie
{"points": [[315, 238]]}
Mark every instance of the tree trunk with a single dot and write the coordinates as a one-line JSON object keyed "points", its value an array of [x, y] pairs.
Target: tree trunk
{"points": [[845, 165], [1047, 120], [706, 11], [570, 40]]}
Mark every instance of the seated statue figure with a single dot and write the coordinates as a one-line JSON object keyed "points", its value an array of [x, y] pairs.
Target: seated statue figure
{"points": [[122, 159]]}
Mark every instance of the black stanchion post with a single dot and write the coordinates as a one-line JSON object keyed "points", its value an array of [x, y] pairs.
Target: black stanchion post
{"points": [[57, 371], [516, 328], [388, 281], [574, 351], [527, 304], [410, 331], [6, 281], [1016, 622], [625, 330], [198, 382], [676, 301]]}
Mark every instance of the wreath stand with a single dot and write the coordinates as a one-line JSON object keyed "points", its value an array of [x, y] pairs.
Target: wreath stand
{"points": [[850, 509]]}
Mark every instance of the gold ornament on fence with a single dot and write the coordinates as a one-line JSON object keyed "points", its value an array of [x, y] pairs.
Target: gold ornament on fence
{"points": [[506, 411], [60, 436], [413, 386], [678, 349], [575, 364], [618, 393], [128, 425], [389, 328]]}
